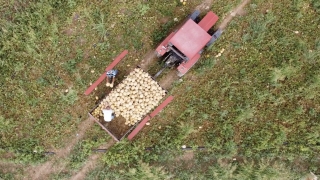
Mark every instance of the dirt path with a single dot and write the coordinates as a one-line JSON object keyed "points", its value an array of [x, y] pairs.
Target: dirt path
{"points": [[167, 81], [42, 171], [6, 167], [205, 5], [148, 60], [187, 156], [91, 162], [237, 11]]}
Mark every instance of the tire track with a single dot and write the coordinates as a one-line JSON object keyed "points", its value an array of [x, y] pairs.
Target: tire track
{"points": [[92, 162], [53, 165]]}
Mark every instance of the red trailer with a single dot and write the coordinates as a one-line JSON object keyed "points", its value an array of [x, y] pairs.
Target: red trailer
{"points": [[117, 128]]}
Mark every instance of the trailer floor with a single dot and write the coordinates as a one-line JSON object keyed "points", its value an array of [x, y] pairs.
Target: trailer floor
{"points": [[117, 126]]}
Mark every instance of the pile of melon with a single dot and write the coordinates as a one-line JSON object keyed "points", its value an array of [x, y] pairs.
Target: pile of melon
{"points": [[133, 98]]}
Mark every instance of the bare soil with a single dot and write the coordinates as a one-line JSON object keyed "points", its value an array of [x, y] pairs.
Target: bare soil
{"points": [[91, 162], [166, 82], [117, 126], [187, 156], [6, 167], [237, 11], [205, 5], [148, 60], [43, 171], [186, 159]]}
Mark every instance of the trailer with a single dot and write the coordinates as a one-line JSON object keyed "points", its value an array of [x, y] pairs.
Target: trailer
{"points": [[119, 127]]}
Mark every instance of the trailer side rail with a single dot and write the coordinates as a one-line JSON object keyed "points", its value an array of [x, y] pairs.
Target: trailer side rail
{"points": [[148, 117], [103, 75]]}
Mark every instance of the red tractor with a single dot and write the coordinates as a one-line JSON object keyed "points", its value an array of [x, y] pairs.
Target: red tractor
{"points": [[183, 47]]}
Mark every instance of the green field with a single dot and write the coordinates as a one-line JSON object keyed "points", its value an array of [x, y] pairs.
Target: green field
{"points": [[257, 105]]}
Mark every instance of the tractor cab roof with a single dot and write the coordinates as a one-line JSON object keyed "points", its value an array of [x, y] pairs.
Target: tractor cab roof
{"points": [[190, 39]]}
